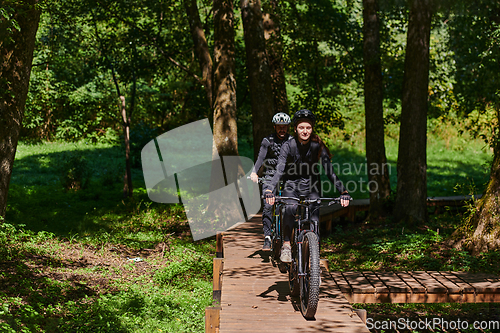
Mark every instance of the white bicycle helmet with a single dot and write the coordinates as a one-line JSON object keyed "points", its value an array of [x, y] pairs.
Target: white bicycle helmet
{"points": [[281, 118]]}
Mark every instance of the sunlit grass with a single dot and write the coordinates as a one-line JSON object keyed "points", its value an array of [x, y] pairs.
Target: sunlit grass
{"points": [[49, 229], [457, 163]]}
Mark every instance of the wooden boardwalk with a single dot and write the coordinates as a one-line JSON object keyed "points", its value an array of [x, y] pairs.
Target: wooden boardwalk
{"points": [[255, 295], [418, 287]]}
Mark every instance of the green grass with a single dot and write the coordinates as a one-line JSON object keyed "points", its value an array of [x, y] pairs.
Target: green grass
{"points": [[65, 253], [457, 163], [389, 246]]}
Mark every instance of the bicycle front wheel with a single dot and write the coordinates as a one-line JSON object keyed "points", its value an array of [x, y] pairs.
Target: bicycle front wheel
{"points": [[309, 282]]}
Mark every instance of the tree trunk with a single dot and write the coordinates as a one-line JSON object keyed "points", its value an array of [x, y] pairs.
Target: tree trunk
{"points": [[16, 52], [127, 179], [259, 76], [274, 50], [224, 129], [200, 47], [412, 165], [481, 233], [221, 207], [378, 173]]}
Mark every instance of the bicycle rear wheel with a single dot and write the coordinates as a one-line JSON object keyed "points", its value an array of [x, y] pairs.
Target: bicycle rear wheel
{"points": [[309, 282], [293, 270]]}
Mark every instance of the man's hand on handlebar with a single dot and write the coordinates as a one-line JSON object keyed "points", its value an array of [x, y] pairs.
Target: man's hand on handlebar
{"points": [[254, 177], [344, 199], [270, 198]]}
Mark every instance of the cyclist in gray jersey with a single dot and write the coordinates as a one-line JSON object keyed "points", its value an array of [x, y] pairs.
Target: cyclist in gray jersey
{"points": [[268, 158]]}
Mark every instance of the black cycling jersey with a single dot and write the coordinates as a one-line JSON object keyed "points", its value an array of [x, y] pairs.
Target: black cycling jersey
{"points": [[268, 153], [301, 162]]}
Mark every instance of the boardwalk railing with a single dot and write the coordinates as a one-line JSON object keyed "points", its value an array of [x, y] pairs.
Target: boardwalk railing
{"points": [[212, 313], [418, 287], [329, 214]]}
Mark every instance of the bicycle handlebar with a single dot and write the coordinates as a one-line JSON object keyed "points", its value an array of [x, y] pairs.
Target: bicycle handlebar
{"points": [[307, 201], [261, 180]]}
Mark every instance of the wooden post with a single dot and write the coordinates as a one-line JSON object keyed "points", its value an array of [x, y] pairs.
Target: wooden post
{"points": [[351, 213], [219, 250], [212, 319], [362, 314], [217, 284], [324, 262]]}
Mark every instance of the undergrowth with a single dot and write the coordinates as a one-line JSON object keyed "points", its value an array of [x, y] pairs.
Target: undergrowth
{"points": [[81, 258]]}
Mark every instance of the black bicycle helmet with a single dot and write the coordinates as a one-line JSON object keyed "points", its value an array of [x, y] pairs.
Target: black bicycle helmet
{"points": [[281, 118], [303, 114]]}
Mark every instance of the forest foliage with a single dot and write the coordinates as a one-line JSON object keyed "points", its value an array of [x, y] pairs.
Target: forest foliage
{"points": [[81, 44]]}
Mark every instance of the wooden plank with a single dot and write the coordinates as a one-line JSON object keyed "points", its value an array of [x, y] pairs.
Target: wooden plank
{"points": [[351, 213], [361, 314], [217, 279], [482, 283], [415, 286], [487, 298], [341, 282], [379, 286], [324, 263], [219, 248], [329, 226], [393, 282], [212, 319], [431, 285], [358, 283], [465, 287], [450, 286], [217, 273]]}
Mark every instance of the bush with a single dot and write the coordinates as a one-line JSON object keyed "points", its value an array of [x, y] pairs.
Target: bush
{"points": [[75, 173], [185, 271]]}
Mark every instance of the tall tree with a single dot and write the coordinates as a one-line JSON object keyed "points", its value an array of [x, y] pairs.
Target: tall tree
{"points": [[274, 51], [475, 41], [200, 47], [411, 199], [378, 173], [107, 53], [16, 56], [482, 229], [224, 129], [259, 76]]}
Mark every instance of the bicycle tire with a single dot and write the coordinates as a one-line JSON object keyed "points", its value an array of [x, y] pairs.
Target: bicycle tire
{"points": [[293, 271], [309, 283]]}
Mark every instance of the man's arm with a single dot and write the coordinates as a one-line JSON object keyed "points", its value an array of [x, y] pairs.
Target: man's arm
{"points": [[280, 166], [262, 155]]}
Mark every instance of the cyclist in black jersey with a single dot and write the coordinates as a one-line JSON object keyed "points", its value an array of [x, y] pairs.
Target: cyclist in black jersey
{"points": [[301, 155], [268, 157]]}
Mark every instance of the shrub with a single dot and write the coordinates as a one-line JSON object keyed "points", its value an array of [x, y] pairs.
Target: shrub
{"points": [[75, 173]]}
